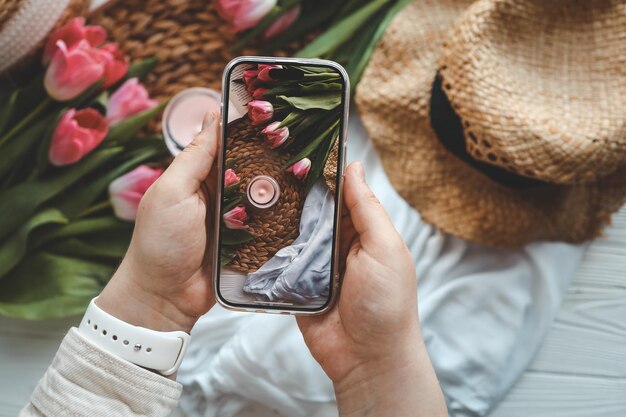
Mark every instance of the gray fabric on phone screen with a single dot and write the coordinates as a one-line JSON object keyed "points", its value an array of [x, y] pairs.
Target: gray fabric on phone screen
{"points": [[301, 272]]}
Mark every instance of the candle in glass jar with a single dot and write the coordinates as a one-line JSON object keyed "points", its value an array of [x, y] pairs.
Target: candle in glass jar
{"points": [[263, 191], [183, 116]]}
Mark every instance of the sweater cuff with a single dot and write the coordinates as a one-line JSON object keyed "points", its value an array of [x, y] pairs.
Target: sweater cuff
{"points": [[86, 380]]}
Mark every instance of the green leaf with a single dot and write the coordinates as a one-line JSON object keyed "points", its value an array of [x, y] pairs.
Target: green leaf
{"points": [[308, 150], [110, 246], [292, 119], [19, 146], [226, 257], [13, 249], [231, 204], [93, 226], [317, 166], [233, 188], [18, 204], [309, 123], [42, 162], [230, 163], [341, 31], [86, 97], [320, 101], [316, 13], [81, 199], [126, 129], [235, 236], [142, 68], [45, 286], [7, 110]]}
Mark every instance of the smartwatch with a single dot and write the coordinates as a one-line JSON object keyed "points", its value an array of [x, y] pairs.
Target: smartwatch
{"points": [[158, 351]]}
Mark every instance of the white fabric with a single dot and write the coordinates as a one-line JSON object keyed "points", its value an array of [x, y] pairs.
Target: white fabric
{"points": [[484, 313], [27, 28], [84, 380]]}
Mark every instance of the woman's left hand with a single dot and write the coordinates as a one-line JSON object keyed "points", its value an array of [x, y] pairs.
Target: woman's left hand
{"points": [[164, 281]]}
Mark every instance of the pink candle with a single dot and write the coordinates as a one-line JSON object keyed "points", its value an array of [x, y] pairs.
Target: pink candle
{"points": [[182, 119], [263, 191]]}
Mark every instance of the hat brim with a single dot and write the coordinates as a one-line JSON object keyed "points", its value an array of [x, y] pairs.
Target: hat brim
{"points": [[394, 101]]}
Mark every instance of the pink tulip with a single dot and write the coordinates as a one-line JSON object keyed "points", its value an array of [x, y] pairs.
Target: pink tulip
{"points": [[78, 133], [72, 71], [249, 76], [283, 22], [126, 191], [230, 178], [236, 218], [243, 14], [260, 111], [264, 72], [259, 93], [129, 99], [275, 136], [301, 168], [115, 64], [72, 33]]}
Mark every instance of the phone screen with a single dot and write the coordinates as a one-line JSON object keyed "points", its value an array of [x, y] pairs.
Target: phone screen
{"points": [[282, 156]]}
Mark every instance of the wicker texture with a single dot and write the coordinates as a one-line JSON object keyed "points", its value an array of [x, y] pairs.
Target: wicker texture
{"points": [[277, 226], [8, 9], [541, 86], [394, 100]]}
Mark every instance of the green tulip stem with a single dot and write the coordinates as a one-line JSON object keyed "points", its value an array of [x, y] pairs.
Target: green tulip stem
{"points": [[95, 208], [30, 117]]}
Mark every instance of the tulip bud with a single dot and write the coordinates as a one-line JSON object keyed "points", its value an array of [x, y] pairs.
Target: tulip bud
{"points": [[243, 14], [126, 191], [230, 178], [275, 136], [264, 72], [71, 33], [129, 99], [115, 64], [72, 71], [235, 218], [301, 168], [259, 93], [260, 111], [282, 23], [78, 133]]}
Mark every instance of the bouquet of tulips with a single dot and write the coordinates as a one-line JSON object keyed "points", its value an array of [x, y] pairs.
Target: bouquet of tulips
{"points": [[351, 28], [72, 172], [300, 107]]}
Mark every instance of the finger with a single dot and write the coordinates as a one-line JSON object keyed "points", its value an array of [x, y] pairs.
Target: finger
{"points": [[369, 218], [191, 167]]}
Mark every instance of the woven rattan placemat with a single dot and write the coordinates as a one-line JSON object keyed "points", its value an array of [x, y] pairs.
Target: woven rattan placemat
{"points": [[277, 226]]}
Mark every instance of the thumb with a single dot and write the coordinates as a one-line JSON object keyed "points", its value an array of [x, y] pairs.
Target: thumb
{"points": [[192, 166], [368, 216]]}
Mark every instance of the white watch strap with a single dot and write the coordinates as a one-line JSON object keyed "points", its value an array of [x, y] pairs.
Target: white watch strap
{"points": [[159, 351]]}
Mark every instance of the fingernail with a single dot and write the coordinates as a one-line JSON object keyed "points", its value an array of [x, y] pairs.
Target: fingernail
{"points": [[209, 119], [359, 171]]}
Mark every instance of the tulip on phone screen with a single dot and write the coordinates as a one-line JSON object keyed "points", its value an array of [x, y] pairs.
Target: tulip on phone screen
{"points": [[78, 133], [259, 93], [129, 99], [230, 177], [72, 71], [236, 218], [115, 64], [243, 14], [260, 111], [72, 33], [282, 23], [301, 168], [264, 72], [275, 136], [126, 191]]}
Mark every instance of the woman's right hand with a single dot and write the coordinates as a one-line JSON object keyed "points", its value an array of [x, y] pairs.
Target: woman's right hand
{"points": [[369, 344]]}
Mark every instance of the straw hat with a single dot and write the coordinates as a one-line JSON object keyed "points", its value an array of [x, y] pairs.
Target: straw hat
{"points": [[24, 25], [503, 121]]}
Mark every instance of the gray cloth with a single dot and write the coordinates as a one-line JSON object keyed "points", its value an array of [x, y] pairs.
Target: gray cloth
{"points": [[301, 272]]}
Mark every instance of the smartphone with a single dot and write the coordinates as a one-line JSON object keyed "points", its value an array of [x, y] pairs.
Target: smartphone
{"points": [[280, 169]]}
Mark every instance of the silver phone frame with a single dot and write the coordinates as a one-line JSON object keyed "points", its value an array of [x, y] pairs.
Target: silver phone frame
{"points": [[335, 277]]}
